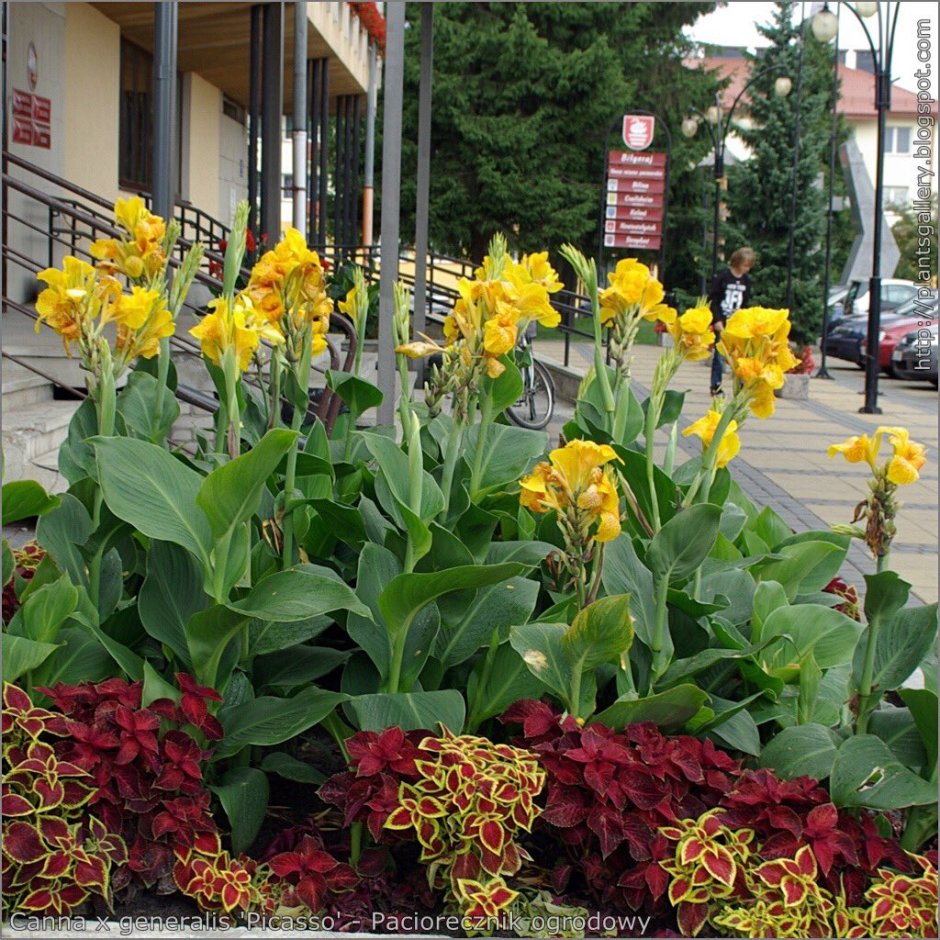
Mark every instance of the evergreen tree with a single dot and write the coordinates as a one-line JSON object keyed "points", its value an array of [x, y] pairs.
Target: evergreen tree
{"points": [[523, 96], [760, 189], [907, 234]]}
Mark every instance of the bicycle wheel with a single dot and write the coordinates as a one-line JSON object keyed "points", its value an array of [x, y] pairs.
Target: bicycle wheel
{"points": [[536, 405]]}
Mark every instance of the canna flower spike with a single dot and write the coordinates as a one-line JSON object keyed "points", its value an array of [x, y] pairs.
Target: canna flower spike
{"points": [[141, 254], [705, 428], [902, 468]]}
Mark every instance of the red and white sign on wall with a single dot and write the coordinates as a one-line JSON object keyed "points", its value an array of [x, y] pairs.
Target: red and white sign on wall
{"points": [[31, 119]]}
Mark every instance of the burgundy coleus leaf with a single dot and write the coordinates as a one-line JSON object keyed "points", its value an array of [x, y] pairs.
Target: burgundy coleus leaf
{"points": [[90, 745], [607, 824], [371, 753], [537, 718], [180, 758], [15, 804], [22, 842], [138, 734], [565, 807], [92, 872], [59, 901]]}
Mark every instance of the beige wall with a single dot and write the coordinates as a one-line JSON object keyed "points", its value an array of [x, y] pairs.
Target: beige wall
{"points": [[202, 104], [343, 34], [91, 101]]}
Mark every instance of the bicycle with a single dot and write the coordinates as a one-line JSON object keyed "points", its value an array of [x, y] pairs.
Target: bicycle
{"points": [[536, 404]]}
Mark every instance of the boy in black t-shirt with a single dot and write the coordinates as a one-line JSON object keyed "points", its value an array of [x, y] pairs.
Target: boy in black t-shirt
{"points": [[730, 291]]}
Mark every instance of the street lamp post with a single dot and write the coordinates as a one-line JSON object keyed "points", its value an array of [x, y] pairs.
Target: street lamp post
{"points": [[826, 26], [718, 128], [887, 13]]}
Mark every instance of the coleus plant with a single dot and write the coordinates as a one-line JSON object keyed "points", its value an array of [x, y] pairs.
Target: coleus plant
{"points": [[55, 854], [145, 767], [471, 799]]}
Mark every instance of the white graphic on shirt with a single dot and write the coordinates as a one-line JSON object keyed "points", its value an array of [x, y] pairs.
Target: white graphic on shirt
{"points": [[734, 298]]}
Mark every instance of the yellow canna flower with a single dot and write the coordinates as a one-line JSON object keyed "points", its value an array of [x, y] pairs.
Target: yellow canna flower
{"points": [[418, 350], [540, 271], [705, 428], [576, 476], [754, 322], [143, 319], [690, 333], [241, 328], [499, 332], [908, 458], [858, 448]]}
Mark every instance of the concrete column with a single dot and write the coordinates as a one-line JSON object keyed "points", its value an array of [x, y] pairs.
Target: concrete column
{"points": [[424, 167], [391, 202], [367, 189], [254, 114]]}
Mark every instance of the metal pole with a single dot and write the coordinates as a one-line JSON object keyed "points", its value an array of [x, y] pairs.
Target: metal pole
{"points": [[271, 109], [349, 196], [882, 84], [823, 373], [254, 114], [367, 189], [338, 174], [300, 115], [324, 147], [391, 196], [794, 183], [354, 182], [423, 188], [313, 67], [164, 109]]}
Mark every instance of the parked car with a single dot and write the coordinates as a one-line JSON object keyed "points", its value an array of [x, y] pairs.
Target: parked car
{"points": [[915, 356], [844, 340], [889, 336], [895, 292]]}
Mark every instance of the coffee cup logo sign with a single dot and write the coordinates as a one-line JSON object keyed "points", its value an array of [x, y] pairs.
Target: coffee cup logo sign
{"points": [[638, 130], [32, 66]]}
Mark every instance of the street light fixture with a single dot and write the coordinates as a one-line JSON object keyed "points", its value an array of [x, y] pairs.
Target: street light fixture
{"points": [[881, 54], [718, 128]]}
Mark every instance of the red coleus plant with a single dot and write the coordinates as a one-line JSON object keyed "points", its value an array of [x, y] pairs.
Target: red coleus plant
{"points": [[54, 853], [25, 562], [789, 814], [144, 765], [311, 875], [609, 792], [381, 762]]}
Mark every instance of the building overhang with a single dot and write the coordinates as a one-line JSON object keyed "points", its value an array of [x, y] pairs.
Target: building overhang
{"points": [[214, 41]]}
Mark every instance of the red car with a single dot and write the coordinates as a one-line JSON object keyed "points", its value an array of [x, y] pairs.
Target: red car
{"points": [[890, 336]]}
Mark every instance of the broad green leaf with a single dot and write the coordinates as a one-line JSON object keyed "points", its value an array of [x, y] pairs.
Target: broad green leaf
{"points": [[738, 732], [508, 680], [9, 564], [508, 453], [732, 586], [897, 728], [345, 522], [156, 687], [866, 773], [407, 594], [497, 607], [770, 527], [410, 711], [295, 666], [395, 473], [131, 664], [290, 768], [624, 573], [137, 405], [885, 594], [682, 669], [828, 633], [377, 568], [24, 499], [683, 543], [506, 388], [80, 658], [669, 709], [801, 750], [269, 720], [243, 793], [62, 531], [20, 655], [768, 596], [358, 394], [542, 650], [45, 610], [923, 706], [154, 492], [266, 636], [208, 634], [795, 570], [230, 494], [900, 646], [76, 456], [297, 594], [170, 595], [600, 633], [828, 566]]}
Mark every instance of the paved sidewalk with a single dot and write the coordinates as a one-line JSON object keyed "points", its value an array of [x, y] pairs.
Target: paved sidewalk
{"points": [[783, 462]]}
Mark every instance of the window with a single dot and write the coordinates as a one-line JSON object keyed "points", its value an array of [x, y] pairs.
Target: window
{"points": [[287, 185], [135, 165], [897, 139], [896, 197]]}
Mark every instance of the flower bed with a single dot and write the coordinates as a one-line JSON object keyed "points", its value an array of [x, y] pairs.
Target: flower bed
{"points": [[361, 675]]}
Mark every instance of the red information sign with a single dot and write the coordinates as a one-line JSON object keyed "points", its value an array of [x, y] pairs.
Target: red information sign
{"points": [[625, 227], [656, 187], [629, 158], [32, 119], [636, 172], [634, 213], [638, 130], [647, 242], [649, 200]]}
